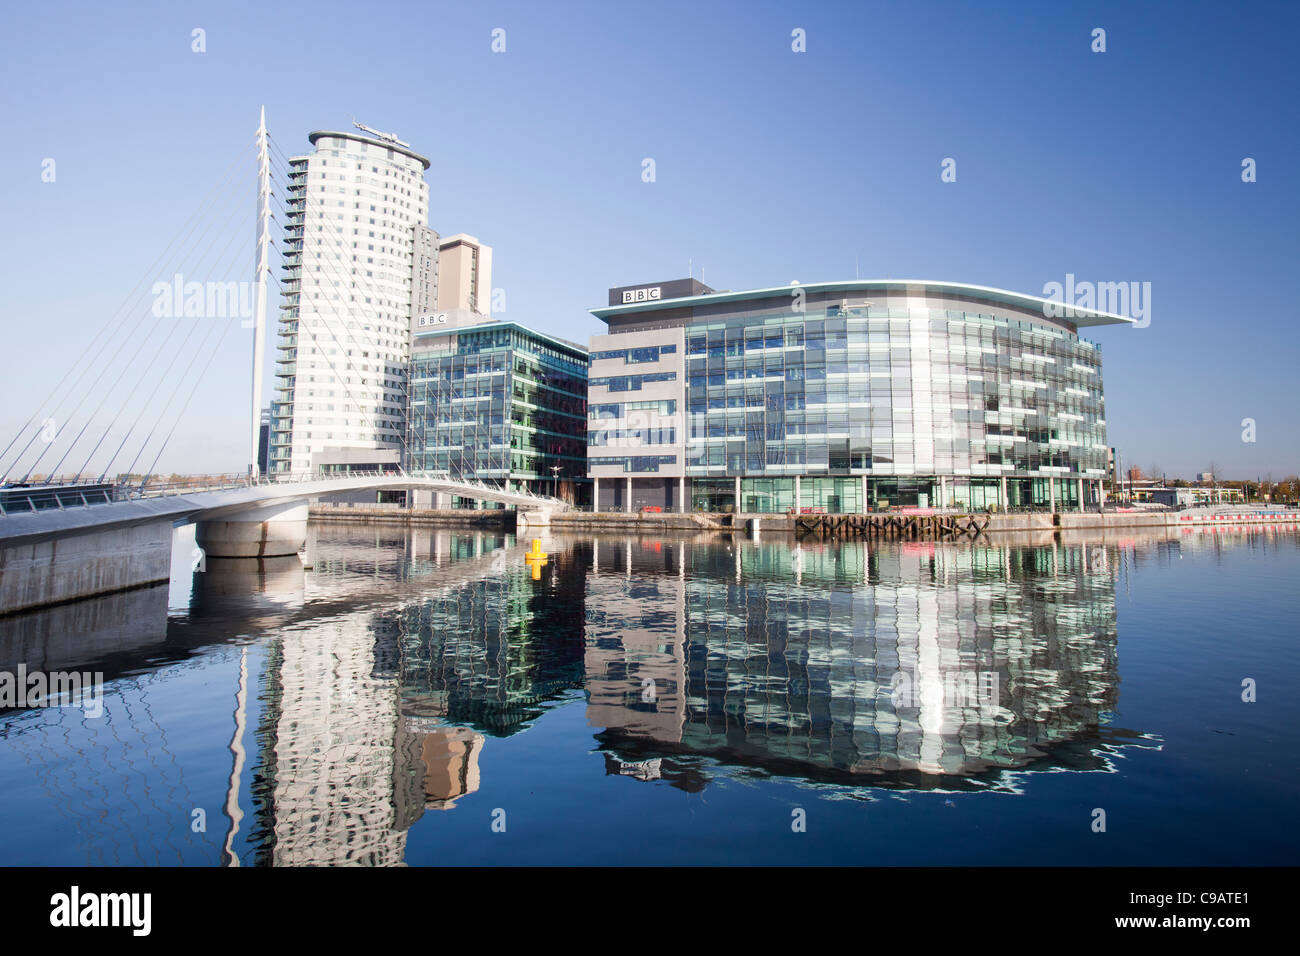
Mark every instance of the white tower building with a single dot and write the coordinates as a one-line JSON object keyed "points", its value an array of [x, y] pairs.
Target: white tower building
{"points": [[360, 259]]}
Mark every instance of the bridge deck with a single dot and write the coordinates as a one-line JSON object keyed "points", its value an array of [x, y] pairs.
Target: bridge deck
{"points": [[216, 505]]}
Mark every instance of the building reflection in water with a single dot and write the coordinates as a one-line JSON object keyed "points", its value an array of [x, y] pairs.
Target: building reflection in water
{"points": [[913, 666], [381, 675], [348, 761], [492, 653], [910, 665]]}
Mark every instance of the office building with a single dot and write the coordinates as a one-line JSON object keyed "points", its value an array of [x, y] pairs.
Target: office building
{"points": [[844, 397], [360, 262], [496, 401]]}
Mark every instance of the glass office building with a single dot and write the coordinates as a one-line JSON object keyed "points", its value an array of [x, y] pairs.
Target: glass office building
{"points": [[845, 397], [498, 402]]}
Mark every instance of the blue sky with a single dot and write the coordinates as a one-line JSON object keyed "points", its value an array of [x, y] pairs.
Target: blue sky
{"points": [[770, 166]]}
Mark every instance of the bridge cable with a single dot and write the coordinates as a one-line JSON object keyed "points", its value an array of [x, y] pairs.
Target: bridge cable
{"points": [[211, 355], [106, 367], [158, 381], [168, 404], [118, 317], [129, 363]]}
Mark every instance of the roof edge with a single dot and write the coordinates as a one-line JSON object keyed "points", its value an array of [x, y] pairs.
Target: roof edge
{"points": [[404, 150], [502, 323], [1080, 317]]}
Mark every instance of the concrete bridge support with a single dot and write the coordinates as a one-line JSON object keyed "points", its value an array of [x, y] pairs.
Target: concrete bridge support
{"points": [[274, 531], [532, 521]]}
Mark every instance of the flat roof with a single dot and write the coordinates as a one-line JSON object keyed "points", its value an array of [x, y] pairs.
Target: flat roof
{"points": [[495, 324], [386, 144], [1081, 318]]}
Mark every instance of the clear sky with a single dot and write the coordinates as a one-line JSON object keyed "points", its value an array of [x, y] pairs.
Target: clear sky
{"points": [[770, 165]]}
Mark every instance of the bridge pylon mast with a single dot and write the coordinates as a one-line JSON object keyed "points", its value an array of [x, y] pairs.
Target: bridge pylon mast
{"points": [[263, 271]]}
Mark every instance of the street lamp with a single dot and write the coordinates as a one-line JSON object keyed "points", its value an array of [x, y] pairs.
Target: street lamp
{"points": [[555, 481]]}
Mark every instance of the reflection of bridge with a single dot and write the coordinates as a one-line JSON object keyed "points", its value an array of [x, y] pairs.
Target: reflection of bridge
{"points": [[48, 556]]}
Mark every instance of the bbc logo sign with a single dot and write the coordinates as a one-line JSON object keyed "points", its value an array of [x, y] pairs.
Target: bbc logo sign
{"points": [[641, 295], [427, 320]]}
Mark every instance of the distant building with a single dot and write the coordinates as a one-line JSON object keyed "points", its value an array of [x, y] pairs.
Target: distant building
{"points": [[464, 275], [1174, 497], [1157, 492], [1205, 477], [498, 402]]}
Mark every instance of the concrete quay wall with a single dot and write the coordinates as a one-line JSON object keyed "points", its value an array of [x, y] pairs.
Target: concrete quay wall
{"points": [[34, 574], [636, 523]]}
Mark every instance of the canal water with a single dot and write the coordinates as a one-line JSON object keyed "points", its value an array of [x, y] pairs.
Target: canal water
{"points": [[436, 697]]}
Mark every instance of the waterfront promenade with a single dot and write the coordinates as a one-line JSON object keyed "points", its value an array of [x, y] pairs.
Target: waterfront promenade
{"points": [[765, 523]]}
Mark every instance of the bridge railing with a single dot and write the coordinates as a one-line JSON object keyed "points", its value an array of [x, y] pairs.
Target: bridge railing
{"points": [[155, 489], [61, 495]]}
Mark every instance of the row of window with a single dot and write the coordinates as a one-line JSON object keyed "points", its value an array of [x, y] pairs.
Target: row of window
{"points": [[649, 353], [666, 406], [640, 436], [631, 463], [631, 383]]}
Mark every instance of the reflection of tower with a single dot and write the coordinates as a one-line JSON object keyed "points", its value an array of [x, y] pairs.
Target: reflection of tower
{"points": [[328, 749]]}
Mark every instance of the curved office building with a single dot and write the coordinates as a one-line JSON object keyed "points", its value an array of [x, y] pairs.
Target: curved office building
{"points": [[844, 396]]}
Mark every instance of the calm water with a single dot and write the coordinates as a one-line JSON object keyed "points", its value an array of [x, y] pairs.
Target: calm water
{"points": [[428, 697]]}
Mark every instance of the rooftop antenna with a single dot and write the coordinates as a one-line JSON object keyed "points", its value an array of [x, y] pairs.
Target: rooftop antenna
{"points": [[690, 267], [386, 137]]}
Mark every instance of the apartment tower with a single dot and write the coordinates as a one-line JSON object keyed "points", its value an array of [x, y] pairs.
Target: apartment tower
{"points": [[360, 262]]}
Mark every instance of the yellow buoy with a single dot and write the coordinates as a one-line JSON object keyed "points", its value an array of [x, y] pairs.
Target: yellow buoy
{"points": [[536, 559]]}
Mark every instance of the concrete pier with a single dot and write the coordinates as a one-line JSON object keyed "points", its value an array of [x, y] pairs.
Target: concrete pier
{"points": [[274, 531], [534, 521]]}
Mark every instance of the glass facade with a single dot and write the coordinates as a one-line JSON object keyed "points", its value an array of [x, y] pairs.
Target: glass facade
{"points": [[909, 393], [500, 403], [848, 397]]}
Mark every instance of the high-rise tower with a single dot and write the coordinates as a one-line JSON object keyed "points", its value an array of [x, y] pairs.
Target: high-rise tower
{"points": [[360, 259]]}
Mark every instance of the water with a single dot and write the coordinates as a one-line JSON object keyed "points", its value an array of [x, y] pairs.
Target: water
{"points": [[427, 697]]}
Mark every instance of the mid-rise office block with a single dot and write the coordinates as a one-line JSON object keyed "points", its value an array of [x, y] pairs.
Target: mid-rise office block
{"points": [[844, 397], [498, 402]]}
